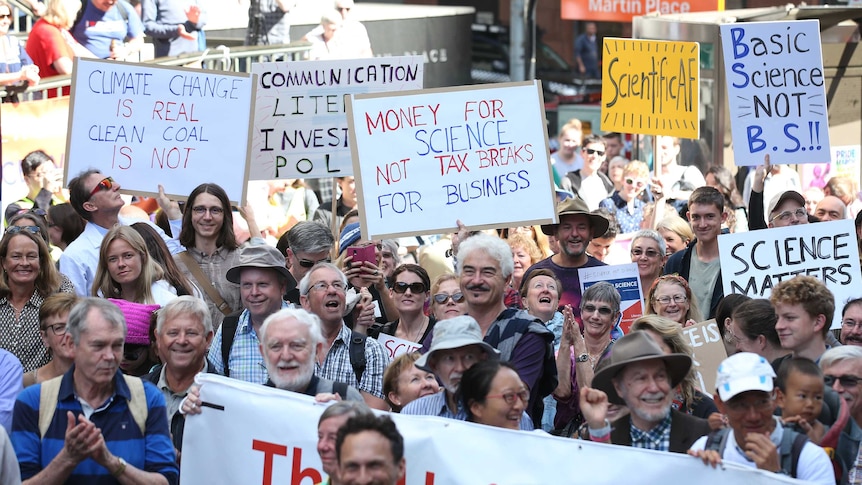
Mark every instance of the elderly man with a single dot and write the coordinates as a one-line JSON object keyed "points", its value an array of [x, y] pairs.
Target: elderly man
{"points": [[643, 378], [184, 331], [456, 344], [485, 267], [370, 450], [787, 209], [831, 208], [306, 244], [842, 371], [96, 198], [332, 419], [263, 279], [93, 398], [323, 292], [756, 437]]}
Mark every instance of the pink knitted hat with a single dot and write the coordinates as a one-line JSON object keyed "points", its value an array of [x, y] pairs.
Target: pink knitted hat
{"points": [[137, 320]]}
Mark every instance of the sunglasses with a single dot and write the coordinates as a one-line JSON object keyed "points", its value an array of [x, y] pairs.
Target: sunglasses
{"points": [[342, 9], [635, 183], [846, 381], [106, 183], [442, 298], [590, 151], [415, 288], [6, 16], [603, 310], [307, 263], [17, 229]]}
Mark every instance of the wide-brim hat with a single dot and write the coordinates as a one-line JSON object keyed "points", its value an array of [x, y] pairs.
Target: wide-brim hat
{"points": [[574, 206], [454, 333], [633, 348], [261, 256]]}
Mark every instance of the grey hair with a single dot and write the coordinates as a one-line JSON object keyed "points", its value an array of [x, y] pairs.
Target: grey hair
{"points": [[310, 320], [493, 246], [836, 355], [392, 246], [309, 237], [331, 17], [342, 408], [655, 236], [77, 323], [185, 305], [305, 283], [604, 292]]}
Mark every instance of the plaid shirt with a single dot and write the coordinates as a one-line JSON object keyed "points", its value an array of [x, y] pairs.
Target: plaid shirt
{"points": [[436, 405], [337, 365], [657, 439]]}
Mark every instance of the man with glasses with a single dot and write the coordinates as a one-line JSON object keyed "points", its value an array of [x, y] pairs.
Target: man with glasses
{"points": [[756, 437], [262, 279], [96, 198], [787, 209], [588, 182], [842, 371], [323, 292], [304, 245]]}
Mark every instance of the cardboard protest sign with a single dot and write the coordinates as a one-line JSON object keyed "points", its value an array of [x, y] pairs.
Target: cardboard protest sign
{"points": [[626, 280], [651, 87], [300, 126], [397, 347], [752, 263], [424, 159], [708, 352], [147, 125], [776, 92]]}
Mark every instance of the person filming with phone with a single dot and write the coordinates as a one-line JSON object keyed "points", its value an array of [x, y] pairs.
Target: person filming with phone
{"points": [[360, 262]]}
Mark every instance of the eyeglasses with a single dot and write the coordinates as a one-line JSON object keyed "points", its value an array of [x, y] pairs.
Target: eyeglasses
{"points": [[106, 183], [636, 183], [850, 324], [133, 353], [509, 397], [200, 210], [786, 215], [323, 286], [16, 229], [650, 253], [665, 300], [415, 288], [590, 151], [603, 310], [738, 406], [307, 263], [57, 329], [442, 298], [342, 9], [846, 381]]}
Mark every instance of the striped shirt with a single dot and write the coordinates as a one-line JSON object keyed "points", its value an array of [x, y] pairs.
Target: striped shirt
{"points": [[151, 451], [436, 405]]}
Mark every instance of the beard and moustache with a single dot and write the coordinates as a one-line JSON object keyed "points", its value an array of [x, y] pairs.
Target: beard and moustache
{"points": [[300, 381]]}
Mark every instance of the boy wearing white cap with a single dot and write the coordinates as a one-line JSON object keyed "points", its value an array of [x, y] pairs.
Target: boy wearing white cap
{"points": [[756, 438]]}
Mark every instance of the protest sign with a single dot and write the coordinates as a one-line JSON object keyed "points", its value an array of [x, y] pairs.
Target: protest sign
{"points": [[776, 92], [424, 159], [651, 87], [845, 161], [752, 263], [708, 352], [626, 10], [147, 125], [626, 280], [396, 347], [253, 434], [300, 128]]}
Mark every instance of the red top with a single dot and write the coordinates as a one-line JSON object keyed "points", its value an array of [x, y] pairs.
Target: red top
{"points": [[47, 43]]}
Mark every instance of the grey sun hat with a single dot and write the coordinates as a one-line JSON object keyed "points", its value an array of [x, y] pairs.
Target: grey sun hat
{"points": [[261, 256], [454, 333]]}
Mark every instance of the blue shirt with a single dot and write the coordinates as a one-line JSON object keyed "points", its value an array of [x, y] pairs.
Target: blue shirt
{"points": [[11, 382], [151, 451], [436, 405], [628, 221], [97, 29]]}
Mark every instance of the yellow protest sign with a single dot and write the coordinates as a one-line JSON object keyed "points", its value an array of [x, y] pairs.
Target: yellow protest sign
{"points": [[650, 87]]}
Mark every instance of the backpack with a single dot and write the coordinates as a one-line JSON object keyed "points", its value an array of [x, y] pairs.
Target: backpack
{"points": [[80, 15], [356, 346], [50, 391], [789, 450]]}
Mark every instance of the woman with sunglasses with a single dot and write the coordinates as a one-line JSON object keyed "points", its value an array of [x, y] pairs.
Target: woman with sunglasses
{"points": [[670, 297], [447, 301], [627, 203], [492, 393], [53, 315], [126, 270], [28, 278], [649, 251], [409, 292]]}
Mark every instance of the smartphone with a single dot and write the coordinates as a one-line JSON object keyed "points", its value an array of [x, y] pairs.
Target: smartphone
{"points": [[362, 253]]}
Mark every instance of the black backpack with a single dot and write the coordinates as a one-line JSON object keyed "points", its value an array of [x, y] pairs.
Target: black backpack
{"points": [[792, 443], [231, 323]]}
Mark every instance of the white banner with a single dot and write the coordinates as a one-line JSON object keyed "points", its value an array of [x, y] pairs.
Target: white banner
{"points": [[396, 347], [256, 434], [752, 263], [300, 129]]}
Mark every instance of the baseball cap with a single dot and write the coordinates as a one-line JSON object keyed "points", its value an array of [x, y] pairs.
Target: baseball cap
{"points": [[743, 372]]}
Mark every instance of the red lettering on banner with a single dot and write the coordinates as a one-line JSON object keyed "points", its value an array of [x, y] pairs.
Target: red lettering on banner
{"points": [[268, 449], [297, 474]]}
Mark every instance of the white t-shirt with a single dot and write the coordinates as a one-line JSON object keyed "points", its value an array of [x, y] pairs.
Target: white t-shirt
{"points": [[592, 190], [814, 465]]}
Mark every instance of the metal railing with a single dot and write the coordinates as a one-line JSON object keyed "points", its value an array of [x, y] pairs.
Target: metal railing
{"points": [[221, 58]]}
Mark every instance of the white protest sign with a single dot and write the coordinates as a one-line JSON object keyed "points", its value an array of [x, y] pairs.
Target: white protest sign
{"points": [[845, 162], [253, 434], [626, 280], [776, 91], [424, 159], [752, 263], [396, 347], [708, 352], [147, 125], [300, 128]]}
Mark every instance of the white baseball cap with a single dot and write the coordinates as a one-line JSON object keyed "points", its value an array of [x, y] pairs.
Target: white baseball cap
{"points": [[743, 372]]}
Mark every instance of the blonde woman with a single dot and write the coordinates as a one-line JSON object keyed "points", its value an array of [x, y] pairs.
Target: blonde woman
{"points": [[127, 272], [50, 44], [676, 232]]}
